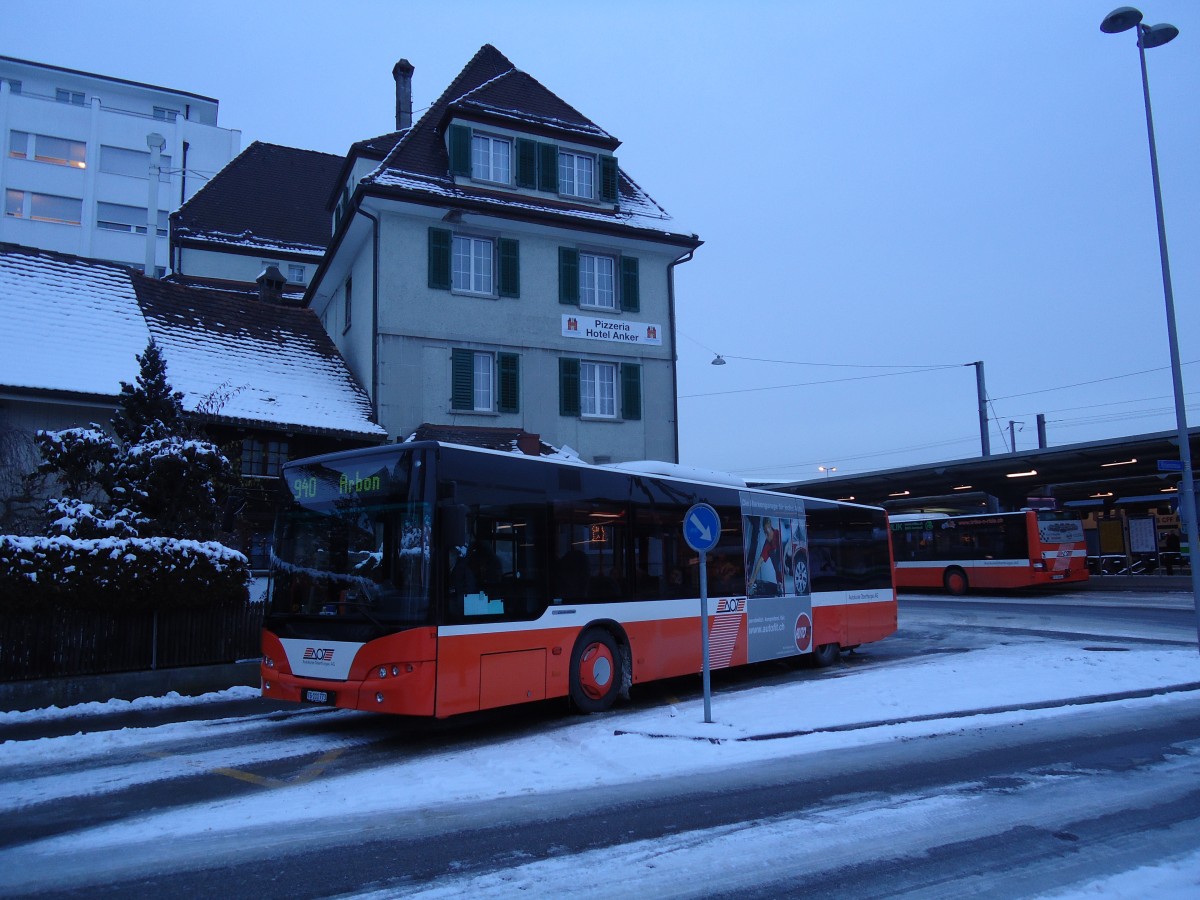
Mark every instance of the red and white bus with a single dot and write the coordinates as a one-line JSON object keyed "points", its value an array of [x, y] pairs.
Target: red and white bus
{"points": [[432, 579], [996, 550]]}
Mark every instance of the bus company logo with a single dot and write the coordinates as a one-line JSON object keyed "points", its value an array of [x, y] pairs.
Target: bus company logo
{"points": [[731, 605], [318, 654], [803, 632]]}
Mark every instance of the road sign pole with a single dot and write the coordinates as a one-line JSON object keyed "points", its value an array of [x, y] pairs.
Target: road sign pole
{"points": [[704, 637]]}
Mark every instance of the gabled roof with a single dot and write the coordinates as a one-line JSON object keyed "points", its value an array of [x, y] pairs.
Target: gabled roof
{"points": [[491, 88], [75, 327], [269, 198]]}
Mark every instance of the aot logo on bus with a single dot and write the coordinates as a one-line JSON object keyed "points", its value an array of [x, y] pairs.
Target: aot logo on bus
{"points": [[318, 654]]}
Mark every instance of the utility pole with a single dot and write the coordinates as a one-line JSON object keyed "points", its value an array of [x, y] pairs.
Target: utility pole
{"points": [[983, 416]]}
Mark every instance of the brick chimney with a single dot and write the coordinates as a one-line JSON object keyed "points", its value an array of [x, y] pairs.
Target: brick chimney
{"points": [[529, 444], [403, 72], [270, 285]]}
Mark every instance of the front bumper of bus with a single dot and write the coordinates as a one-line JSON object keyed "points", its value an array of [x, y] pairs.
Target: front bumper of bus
{"points": [[394, 674]]}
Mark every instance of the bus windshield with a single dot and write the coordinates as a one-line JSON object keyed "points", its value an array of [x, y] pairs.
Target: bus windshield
{"points": [[354, 543]]}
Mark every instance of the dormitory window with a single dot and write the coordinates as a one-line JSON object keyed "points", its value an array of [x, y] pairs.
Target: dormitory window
{"points": [[116, 217], [590, 279], [474, 265], [295, 273], [590, 388], [43, 148], [472, 271], [164, 114], [263, 459], [136, 163], [575, 174], [14, 86], [484, 382], [43, 207], [75, 98], [597, 286], [491, 159]]}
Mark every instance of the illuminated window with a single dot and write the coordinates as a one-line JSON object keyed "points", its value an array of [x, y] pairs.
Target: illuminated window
{"points": [[44, 148]]}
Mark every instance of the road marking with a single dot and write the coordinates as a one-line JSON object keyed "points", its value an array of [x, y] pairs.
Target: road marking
{"points": [[308, 773]]}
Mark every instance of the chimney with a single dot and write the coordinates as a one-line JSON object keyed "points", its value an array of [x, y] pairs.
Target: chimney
{"points": [[529, 444], [402, 72], [270, 285]]}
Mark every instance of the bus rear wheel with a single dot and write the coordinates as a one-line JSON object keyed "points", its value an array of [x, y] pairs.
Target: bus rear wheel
{"points": [[824, 656], [596, 671], [955, 581]]}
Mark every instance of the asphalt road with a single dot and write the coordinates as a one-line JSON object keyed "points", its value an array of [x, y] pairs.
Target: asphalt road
{"points": [[997, 810]]}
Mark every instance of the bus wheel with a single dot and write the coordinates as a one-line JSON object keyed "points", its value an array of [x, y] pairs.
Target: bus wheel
{"points": [[824, 656], [955, 581], [596, 671]]}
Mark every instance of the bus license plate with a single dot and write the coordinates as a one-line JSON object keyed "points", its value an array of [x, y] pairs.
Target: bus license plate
{"points": [[325, 697]]}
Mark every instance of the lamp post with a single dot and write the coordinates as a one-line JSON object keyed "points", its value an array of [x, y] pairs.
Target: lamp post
{"points": [[1123, 19], [828, 470]]}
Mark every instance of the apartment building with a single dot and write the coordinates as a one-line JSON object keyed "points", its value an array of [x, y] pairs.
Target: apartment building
{"points": [[77, 151]]}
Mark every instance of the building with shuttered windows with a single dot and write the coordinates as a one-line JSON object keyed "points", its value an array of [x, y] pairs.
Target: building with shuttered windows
{"points": [[497, 268]]}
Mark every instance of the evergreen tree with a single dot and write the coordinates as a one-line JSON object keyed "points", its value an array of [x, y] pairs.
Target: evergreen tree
{"points": [[149, 409], [158, 477]]}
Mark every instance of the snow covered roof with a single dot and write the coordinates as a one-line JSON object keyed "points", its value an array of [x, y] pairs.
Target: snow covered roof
{"points": [[76, 326], [268, 199], [70, 324], [260, 363], [491, 89]]}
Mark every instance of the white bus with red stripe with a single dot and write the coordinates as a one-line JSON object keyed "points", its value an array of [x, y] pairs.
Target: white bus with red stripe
{"points": [[989, 551], [433, 579]]}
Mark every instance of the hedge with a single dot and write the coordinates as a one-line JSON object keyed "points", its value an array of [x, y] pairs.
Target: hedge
{"points": [[118, 574]]}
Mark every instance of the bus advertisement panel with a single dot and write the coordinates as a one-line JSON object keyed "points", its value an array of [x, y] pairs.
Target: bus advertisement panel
{"points": [[433, 579], [989, 551]]}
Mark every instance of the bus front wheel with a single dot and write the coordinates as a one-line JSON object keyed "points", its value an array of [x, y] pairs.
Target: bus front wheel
{"points": [[596, 671], [955, 581]]}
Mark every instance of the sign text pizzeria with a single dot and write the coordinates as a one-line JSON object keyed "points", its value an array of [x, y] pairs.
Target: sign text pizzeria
{"points": [[612, 330]]}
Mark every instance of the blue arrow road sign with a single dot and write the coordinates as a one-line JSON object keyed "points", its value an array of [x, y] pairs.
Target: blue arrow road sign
{"points": [[701, 527]]}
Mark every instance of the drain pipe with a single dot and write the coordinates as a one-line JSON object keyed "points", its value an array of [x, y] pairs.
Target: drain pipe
{"points": [[674, 341], [374, 313]]}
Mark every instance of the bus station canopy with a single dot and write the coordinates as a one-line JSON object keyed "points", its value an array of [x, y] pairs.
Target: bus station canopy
{"points": [[1139, 469]]}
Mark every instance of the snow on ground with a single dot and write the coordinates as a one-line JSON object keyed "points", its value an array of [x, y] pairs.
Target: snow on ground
{"points": [[637, 745]]}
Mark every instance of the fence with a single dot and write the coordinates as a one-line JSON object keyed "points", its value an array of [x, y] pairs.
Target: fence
{"points": [[61, 643]]}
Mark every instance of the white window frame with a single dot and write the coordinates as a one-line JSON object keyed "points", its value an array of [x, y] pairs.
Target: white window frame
{"points": [[295, 273], [598, 389], [132, 163], [38, 149], [32, 196], [577, 174], [597, 281], [120, 217], [66, 95], [473, 265], [488, 163], [14, 203], [483, 382]]}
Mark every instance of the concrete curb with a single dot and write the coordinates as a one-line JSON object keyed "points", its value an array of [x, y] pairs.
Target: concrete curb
{"points": [[62, 692]]}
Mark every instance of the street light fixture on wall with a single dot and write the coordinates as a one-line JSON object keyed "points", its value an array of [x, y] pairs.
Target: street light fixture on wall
{"points": [[1150, 36]]}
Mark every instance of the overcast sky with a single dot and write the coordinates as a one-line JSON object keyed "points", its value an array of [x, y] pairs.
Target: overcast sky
{"points": [[878, 184]]}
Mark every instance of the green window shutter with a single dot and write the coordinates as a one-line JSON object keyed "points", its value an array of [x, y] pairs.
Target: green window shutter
{"points": [[631, 391], [508, 399], [462, 379], [527, 163], [568, 276], [439, 259], [548, 167], [510, 267], [568, 387], [608, 179], [460, 150], [630, 291]]}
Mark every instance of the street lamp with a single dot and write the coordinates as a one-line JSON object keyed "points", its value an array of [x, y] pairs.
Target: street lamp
{"points": [[828, 470], [1123, 19]]}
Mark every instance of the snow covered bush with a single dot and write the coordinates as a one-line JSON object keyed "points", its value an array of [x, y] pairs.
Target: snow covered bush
{"points": [[118, 574], [141, 506]]}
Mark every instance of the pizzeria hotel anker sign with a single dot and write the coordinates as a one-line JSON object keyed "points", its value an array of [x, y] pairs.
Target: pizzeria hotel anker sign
{"points": [[614, 331]]}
